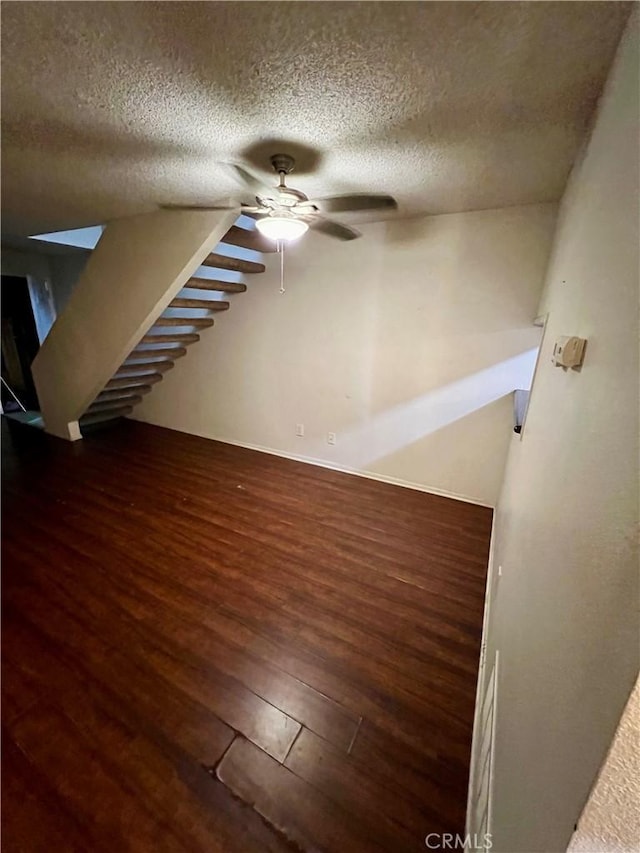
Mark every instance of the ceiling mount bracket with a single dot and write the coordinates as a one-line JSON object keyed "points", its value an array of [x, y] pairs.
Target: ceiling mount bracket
{"points": [[283, 163]]}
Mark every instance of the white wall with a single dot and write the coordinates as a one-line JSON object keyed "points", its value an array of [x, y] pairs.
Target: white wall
{"points": [[405, 343], [564, 613]]}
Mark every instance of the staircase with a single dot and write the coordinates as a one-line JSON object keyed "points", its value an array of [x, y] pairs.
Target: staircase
{"points": [[192, 310]]}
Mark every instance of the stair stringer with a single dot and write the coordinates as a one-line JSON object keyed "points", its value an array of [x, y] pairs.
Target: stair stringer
{"points": [[139, 264]]}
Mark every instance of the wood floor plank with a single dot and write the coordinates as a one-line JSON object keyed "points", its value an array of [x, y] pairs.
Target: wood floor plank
{"points": [[231, 651], [400, 824], [83, 779], [42, 823], [227, 699], [297, 590], [107, 673], [192, 503], [311, 605], [288, 803], [435, 779], [244, 609], [392, 557], [293, 697], [382, 593], [18, 694], [123, 748], [397, 709]]}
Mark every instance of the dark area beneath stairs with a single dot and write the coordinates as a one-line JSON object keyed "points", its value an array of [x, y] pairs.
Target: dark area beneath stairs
{"points": [[206, 648]]}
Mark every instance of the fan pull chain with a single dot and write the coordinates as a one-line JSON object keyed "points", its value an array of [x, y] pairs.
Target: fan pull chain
{"points": [[280, 248]]}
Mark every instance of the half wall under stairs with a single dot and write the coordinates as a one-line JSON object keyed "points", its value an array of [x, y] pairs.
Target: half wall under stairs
{"points": [[178, 327], [151, 286]]}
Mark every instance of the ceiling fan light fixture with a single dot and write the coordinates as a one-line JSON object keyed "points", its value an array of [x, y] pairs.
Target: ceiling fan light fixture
{"points": [[281, 227]]}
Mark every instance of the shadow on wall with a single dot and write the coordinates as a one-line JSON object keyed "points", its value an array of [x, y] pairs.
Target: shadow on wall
{"points": [[410, 421]]}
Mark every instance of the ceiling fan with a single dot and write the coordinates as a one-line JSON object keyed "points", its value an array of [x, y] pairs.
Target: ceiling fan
{"points": [[283, 213]]}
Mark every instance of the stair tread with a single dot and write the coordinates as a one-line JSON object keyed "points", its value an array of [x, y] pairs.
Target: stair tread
{"points": [[209, 304], [214, 284], [116, 403], [236, 264], [145, 367], [122, 393], [248, 239], [150, 354], [133, 381], [107, 415], [178, 337], [202, 322]]}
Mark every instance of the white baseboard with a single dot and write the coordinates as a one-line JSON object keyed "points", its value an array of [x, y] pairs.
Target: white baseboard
{"points": [[322, 463], [473, 767]]}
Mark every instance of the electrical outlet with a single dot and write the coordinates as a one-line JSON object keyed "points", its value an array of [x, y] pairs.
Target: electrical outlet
{"points": [[331, 438], [499, 571], [300, 429]]}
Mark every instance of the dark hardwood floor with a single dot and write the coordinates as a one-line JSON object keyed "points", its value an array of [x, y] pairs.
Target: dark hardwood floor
{"points": [[206, 648]]}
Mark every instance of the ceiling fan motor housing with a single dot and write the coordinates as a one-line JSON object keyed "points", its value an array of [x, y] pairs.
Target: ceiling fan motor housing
{"points": [[288, 197]]}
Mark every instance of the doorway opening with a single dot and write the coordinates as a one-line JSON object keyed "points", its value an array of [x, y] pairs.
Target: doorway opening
{"points": [[19, 344]]}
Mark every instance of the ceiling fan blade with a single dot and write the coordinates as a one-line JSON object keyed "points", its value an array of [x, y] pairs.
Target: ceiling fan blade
{"points": [[332, 228], [197, 207], [255, 184], [248, 209], [345, 203]]}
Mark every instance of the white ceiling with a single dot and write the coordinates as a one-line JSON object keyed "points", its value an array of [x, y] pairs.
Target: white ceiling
{"points": [[111, 108]]}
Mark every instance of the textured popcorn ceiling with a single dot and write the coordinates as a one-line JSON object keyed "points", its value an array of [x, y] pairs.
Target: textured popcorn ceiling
{"points": [[110, 108]]}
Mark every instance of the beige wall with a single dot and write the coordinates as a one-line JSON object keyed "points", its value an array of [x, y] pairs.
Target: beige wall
{"points": [[404, 343], [564, 613]]}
